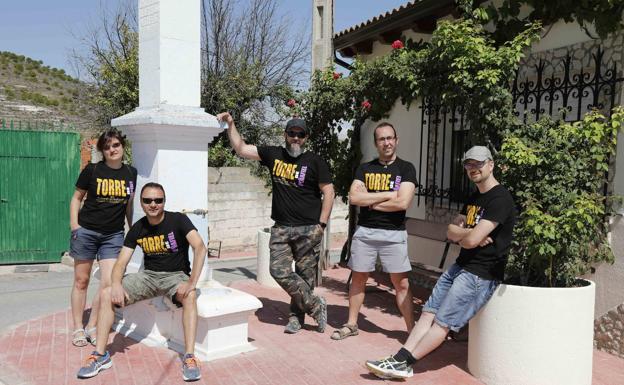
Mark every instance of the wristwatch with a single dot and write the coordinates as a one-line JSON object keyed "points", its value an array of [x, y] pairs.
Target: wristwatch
{"points": [[323, 225]]}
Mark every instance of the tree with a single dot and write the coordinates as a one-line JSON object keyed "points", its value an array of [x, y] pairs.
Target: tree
{"points": [[252, 59], [111, 63]]}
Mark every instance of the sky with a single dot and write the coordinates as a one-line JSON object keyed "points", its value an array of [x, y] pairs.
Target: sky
{"points": [[49, 29]]}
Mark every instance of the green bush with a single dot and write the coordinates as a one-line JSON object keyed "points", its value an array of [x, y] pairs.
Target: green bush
{"points": [[221, 156], [556, 173]]}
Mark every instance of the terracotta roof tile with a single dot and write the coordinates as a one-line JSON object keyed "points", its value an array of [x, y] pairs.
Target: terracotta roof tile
{"points": [[409, 4]]}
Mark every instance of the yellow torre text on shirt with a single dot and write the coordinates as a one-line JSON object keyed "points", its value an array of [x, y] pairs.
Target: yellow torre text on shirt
{"points": [[155, 244], [111, 187], [377, 181], [284, 170], [473, 215]]}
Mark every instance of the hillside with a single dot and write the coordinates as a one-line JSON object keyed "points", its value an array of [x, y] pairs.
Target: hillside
{"points": [[35, 93]]}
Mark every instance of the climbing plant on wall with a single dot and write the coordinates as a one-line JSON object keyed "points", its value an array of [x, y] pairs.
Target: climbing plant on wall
{"points": [[460, 65]]}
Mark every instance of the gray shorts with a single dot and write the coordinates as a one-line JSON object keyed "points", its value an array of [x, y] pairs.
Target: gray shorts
{"points": [[149, 284], [389, 245]]}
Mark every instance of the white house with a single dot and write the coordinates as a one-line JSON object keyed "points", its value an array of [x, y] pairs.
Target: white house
{"points": [[588, 72]]}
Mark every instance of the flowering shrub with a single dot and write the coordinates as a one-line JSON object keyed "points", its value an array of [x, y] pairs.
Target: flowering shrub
{"points": [[397, 44]]}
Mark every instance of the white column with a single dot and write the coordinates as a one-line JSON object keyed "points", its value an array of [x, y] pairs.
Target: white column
{"points": [[169, 132], [169, 52]]}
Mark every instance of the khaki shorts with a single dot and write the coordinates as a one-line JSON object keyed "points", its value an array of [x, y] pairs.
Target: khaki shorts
{"points": [[149, 284]]}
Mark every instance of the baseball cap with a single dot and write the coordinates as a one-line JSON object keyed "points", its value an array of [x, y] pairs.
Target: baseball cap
{"points": [[297, 122], [479, 153]]}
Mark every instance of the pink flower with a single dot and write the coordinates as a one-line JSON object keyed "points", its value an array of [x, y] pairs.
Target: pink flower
{"points": [[397, 44], [366, 105], [291, 102], [337, 75]]}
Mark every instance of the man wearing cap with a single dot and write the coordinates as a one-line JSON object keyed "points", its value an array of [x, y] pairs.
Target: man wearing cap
{"points": [[303, 196], [484, 231]]}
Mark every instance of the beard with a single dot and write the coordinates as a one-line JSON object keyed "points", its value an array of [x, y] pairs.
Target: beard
{"points": [[293, 150]]}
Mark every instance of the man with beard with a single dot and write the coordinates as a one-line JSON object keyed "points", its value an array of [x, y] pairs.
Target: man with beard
{"points": [[484, 231], [303, 196]]}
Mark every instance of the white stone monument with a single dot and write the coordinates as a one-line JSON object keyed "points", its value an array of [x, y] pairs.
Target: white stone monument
{"points": [[170, 132]]}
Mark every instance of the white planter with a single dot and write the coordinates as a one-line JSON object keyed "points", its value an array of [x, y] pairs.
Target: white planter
{"points": [[263, 273], [534, 336]]}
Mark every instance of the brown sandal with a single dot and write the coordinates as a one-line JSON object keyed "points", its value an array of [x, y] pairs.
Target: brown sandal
{"points": [[347, 330]]}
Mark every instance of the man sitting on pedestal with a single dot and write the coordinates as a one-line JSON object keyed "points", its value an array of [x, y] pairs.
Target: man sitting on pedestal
{"points": [[164, 237]]}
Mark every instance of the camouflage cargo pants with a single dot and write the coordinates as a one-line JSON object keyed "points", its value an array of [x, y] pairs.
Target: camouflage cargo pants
{"points": [[301, 244]]}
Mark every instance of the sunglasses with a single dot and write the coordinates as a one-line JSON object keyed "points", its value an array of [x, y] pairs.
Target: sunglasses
{"points": [[114, 145], [474, 165], [158, 201], [296, 134]]}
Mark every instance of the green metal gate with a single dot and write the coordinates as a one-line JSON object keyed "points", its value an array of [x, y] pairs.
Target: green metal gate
{"points": [[38, 170]]}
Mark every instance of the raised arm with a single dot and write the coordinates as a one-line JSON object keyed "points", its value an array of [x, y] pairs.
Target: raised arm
{"points": [[243, 149], [401, 202], [359, 195]]}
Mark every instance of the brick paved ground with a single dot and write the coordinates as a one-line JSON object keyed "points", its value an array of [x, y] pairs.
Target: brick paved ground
{"points": [[39, 351]]}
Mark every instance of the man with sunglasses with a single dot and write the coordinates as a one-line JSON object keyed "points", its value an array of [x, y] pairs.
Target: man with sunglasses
{"points": [[303, 196], [484, 231], [165, 238]]}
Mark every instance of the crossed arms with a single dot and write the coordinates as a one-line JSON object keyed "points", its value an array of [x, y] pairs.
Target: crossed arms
{"points": [[387, 201], [470, 238]]}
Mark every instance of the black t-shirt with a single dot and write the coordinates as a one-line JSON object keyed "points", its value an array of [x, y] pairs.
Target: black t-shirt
{"points": [[108, 191], [378, 178], [165, 247], [296, 193], [495, 205]]}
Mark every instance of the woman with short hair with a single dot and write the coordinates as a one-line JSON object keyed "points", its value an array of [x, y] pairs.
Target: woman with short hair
{"points": [[97, 229]]}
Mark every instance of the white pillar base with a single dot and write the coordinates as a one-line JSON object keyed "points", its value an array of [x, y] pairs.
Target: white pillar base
{"points": [[222, 325]]}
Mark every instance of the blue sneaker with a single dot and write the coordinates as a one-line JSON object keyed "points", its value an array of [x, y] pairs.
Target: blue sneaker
{"points": [[94, 363], [190, 368]]}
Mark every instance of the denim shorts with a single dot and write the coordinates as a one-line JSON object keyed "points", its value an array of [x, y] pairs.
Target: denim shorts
{"points": [[457, 297], [390, 246], [87, 244]]}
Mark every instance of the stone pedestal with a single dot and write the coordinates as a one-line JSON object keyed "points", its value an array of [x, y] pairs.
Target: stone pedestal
{"points": [[221, 326]]}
